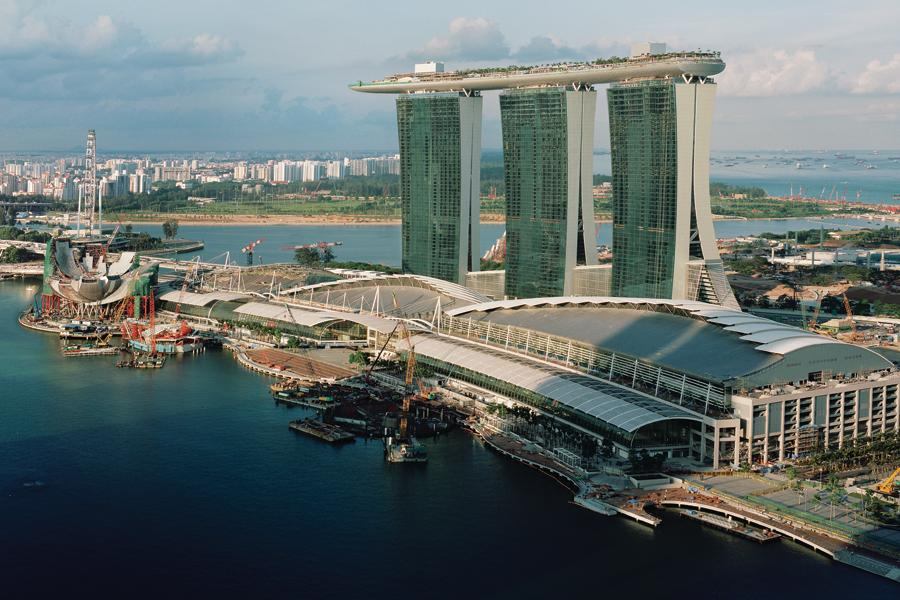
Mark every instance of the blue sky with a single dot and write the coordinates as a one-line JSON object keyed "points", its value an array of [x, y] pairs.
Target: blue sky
{"points": [[273, 75]]}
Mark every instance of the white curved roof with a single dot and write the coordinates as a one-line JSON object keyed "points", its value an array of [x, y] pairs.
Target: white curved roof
{"points": [[312, 317], [734, 345], [205, 299], [624, 408]]}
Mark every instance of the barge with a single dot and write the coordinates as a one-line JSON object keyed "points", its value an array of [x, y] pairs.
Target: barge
{"points": [[323, 431], [726, 524]]}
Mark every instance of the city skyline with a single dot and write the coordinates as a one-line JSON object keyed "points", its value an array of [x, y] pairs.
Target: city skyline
{"points": [[801, 80]]}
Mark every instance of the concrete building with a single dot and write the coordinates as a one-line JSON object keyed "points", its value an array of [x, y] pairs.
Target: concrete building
{"points": [[548, 148], [664, 244], [440, 182]]}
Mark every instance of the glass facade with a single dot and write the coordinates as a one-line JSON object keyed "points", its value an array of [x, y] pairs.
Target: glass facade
{"points": [[545, 131], [439, 134], [643, 147]]}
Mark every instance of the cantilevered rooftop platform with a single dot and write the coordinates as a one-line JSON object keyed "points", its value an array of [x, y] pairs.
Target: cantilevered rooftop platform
{"points": [[577, 74]]}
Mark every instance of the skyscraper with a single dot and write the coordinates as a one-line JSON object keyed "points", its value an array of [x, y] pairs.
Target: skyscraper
{"points": [[548, 136], [664, 245], [440, 183]]}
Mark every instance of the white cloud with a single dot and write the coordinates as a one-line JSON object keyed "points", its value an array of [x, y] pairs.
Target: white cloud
{"points": [[467, 38], [879, 77], [773, 73]]}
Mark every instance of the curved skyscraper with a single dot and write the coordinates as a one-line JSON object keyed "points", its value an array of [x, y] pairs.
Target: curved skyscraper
{"points": [[664, 244], [548, 147], [440, 183]]}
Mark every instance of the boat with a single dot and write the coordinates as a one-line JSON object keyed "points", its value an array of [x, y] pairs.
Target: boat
{"points": [[89, 349], [143, 361], [83, 330], [405, 450]]}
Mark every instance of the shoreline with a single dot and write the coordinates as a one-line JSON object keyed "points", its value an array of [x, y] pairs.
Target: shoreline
{"points": [[350, 221]]}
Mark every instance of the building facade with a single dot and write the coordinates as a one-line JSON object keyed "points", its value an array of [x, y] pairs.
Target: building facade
{"points": [[440, 183], [664, 244], [548, 136]]}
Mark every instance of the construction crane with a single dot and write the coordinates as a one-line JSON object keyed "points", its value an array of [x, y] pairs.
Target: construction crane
{"points": [[249, 248], [849, 312], [380, 352], [152, 325], [886, 486], [111, 238], [408, 380]]}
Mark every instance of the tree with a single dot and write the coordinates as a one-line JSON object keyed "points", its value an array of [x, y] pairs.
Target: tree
{"points": [[170, 228], [129, 228], [308, 257], [327, 255], [358, 358]]}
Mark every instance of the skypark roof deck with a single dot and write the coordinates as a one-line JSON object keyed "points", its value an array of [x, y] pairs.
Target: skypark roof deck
{"points": [[672, 64]]}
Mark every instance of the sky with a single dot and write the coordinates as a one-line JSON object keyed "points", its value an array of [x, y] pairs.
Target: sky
{"points": [[204, 75]]}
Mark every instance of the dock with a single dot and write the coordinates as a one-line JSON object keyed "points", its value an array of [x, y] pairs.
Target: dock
{"points": [[323, 431], [728, 525]]}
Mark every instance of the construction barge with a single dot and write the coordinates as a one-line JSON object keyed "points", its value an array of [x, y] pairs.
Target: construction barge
{"points": [[323, 431], [728, 525], [99, 349], [140, 361]]}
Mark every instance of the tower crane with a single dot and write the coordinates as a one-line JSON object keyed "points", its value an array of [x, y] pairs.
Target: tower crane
{"points": [[249, 248], [853, 336]]}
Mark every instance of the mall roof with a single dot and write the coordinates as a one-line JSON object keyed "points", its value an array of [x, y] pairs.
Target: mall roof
{"points": [[702, 340], [397, 295], [195, 299], [311, 317], [623, 408]]}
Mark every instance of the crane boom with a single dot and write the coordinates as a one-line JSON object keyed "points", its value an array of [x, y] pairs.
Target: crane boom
{"points": [[886, 486]]}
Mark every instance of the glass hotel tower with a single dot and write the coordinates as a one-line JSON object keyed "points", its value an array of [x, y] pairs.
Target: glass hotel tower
{"points": [[440, 183], [664, 245], [548, 146]]}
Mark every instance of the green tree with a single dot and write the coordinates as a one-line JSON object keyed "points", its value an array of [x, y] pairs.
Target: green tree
{"points": [[358, 358], [308, 257], [170, 228]]}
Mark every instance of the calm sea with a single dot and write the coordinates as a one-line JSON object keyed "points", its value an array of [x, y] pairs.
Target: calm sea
{"points": [[381, 243]]}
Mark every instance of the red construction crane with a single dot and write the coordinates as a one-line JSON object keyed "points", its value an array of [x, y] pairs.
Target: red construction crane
{"points": [[248, 250]]}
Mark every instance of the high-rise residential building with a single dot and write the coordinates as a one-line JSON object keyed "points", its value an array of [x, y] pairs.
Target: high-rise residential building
{"points": [[664, 245], [240, 171], [334, 169], [548, 136], [440, 181]]}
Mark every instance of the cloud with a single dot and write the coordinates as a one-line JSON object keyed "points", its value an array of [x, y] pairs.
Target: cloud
{"points": [[548, 48], [545, 48], [49, 58], [476, 39], [879, 77], [773, 73]]}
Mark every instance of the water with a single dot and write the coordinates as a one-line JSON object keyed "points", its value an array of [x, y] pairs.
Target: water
{"points": [[381, 243], [187, 481], [846, 175]]}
